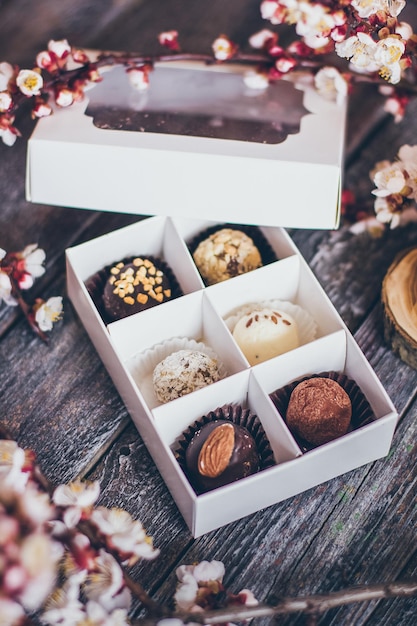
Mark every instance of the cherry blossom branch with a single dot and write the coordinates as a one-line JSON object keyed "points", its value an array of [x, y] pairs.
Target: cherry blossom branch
{"points": [[310, 604], [18, 271]]}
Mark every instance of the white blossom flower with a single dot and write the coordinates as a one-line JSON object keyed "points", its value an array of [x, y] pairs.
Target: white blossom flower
{"points": [[6, 101], [60, 48], [395, 107], [8, 136], [385, 214], [48, 313], [314, 24], [41, 109], [330, 84], [191, 577], [64, 97], [63, 606], [389, 180], [171, 621], [6, 73], [256, 80], [6, 290], [12, 460], [40, 560], [29, 82], [248, 597], [387, 55], [259, 39], [124, 533], [370, 225], [11, 613], [35, 506], [404, 30], [360, 49], [76, 497], [366, 8], [208, 570], [169, 39], [33, 258], [106, 584], [408, 157], [96, 615], [268, 10], [138, 77], [223, 48], [186, 594]]}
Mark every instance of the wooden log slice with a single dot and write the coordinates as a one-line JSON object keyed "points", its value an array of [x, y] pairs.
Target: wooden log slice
{"points": [[399, 299]]}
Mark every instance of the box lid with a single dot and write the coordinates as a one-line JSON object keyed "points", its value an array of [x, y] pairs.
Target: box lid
{"points": [[197, 143]]}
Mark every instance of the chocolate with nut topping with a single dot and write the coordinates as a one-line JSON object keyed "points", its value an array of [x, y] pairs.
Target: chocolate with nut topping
{"points": [[224, 254], [219, 453], [134, 287]]}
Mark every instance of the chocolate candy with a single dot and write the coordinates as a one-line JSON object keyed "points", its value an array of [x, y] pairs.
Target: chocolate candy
{"points": [[319, 410], [225, 254], [266, 333], [183, 372], [219, 453], [134, 287]]}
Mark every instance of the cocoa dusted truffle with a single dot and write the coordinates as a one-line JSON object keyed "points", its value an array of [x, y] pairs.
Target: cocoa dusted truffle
{"points": [[319, 410], [219, 453], [134, 287], [226, 253], [182, 372]]}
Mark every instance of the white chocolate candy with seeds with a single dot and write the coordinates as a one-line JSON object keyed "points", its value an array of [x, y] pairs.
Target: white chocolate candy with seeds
{"points": [[266, 333]]}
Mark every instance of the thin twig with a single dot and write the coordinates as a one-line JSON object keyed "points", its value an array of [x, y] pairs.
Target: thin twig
{"points": [[312, 604]]}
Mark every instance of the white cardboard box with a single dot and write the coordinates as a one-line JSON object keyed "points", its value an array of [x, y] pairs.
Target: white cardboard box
{"points": [[239, 170], [198, 315]]}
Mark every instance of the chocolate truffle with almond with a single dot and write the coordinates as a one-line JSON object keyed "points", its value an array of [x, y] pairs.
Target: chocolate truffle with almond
{"points": [[135, 286], [220, 453], [223, 446], [319, 410]]}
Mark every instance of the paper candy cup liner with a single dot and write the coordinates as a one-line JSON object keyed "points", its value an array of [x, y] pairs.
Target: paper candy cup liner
{"points": [[362, 413], [307, 327], [239, 415], [142, 365]]}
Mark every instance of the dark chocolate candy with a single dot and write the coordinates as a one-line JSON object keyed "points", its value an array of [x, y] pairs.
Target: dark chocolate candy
{"points": [[134, 287], [219, 453]]}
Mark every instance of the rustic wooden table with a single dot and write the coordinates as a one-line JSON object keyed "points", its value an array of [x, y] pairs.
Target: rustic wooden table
{"points": [[58, 399]]}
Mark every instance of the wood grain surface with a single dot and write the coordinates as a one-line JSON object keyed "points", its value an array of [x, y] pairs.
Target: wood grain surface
{"points": [[359, 528]]}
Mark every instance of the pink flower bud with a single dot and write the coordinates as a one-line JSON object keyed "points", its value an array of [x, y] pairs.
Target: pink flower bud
{"points": [[41, 109], [60, 49], [285, 65], [46, 61], [6, 101], [169, 39], [64, 97], [139, 77], [80, 56]]}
